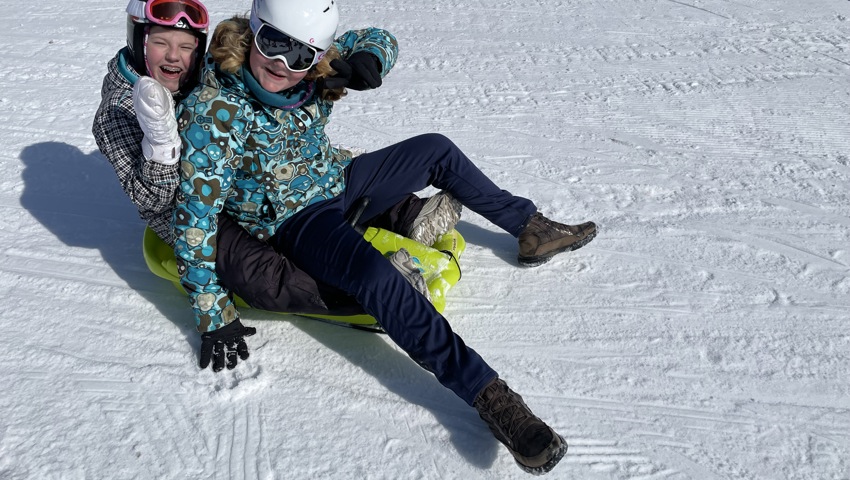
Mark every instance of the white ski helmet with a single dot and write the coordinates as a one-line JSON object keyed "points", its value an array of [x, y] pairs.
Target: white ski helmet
{"points": [[313, 22]]}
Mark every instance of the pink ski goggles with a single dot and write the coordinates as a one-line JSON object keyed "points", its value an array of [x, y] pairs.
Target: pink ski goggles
{"points": [[170, 13]]}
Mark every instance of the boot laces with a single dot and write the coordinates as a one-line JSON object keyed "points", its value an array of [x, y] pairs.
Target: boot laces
{"points": [[547, 226], [508, 410]]}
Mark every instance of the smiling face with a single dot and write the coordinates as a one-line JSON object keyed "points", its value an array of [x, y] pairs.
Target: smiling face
{"points": [[272, 75], [170, 55]]}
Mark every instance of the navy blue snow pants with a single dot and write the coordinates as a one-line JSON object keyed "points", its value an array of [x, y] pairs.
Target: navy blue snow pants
{"points": [[320, 242]]}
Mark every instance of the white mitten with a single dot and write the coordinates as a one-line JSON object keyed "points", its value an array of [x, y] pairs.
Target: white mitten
{"points": [[155, 112]]}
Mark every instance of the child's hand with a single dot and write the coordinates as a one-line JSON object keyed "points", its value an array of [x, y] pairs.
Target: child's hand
{"points": [[360, 71], [155, 113], [224, 345]]}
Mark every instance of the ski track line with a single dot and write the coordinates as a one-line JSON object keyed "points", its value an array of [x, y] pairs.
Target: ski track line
{"points": [[164, 409], [164, 418], [197, 447], [833, 58], [700, 8], [266, 460], [782, 247], [753, 241], [687, 465], [45, 273], [51, 254], [644, 258], [89, 358], [731, 421], [817, 212], [49, 135], [237, 464], [672, 452], [122, 217], [606, 456]]}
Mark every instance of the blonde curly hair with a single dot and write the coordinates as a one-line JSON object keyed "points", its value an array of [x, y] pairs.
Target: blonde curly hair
{"points": [[231, 45]]}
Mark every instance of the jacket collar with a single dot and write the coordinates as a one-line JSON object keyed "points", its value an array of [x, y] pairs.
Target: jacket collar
{"points": [[287, 100], [124, 67]]}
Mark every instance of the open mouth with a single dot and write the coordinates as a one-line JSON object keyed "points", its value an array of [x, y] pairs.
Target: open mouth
{"points": [[170, 72]]}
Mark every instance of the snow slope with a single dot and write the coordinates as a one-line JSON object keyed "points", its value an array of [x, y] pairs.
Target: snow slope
{"points": [[702, 335]]}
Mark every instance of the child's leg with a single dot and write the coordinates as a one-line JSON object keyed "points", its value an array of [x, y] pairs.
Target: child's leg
{"points": [[320, 241], [387, 175], [267, 280]]}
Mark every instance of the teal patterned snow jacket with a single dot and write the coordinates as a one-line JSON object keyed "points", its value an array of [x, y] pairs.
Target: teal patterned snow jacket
{"points": [[257, 156]]}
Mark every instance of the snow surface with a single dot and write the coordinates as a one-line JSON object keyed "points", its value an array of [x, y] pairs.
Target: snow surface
{"points": [[702, 335]]}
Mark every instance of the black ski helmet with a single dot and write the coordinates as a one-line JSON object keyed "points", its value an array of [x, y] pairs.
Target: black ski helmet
{"points": [[138, 26]]}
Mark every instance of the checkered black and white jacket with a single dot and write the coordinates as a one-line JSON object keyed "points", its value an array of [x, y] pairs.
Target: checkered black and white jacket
{"points": [[150, 185]]}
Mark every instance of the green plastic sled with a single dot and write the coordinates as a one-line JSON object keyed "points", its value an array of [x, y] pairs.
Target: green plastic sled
{"points": [[440, 263]]}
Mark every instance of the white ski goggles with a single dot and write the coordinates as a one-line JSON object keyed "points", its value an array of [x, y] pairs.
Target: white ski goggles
{"points": [[276, 45]]}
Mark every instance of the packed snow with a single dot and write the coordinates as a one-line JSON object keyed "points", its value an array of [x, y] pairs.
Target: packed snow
{"points": [[702, 335]]}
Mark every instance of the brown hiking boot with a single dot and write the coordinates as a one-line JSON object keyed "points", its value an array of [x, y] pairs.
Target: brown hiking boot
{"points": [[534, 445], [542, 239]]}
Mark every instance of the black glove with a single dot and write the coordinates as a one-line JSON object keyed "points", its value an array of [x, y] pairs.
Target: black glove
{"points": [[225, 344], [360, 71]]}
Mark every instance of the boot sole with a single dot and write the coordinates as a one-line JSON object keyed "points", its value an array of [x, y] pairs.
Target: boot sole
{"points": [[541, 259], [433, 225], [548, 466]]}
